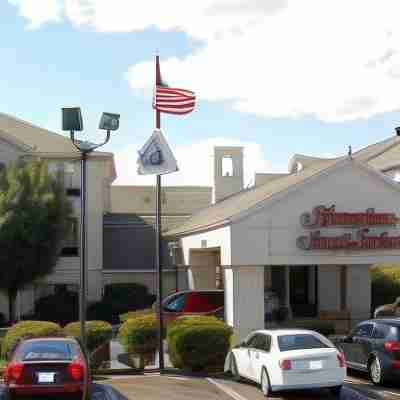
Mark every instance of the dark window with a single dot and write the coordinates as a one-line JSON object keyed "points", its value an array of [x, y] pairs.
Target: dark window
{"points": [[46, 350], [299, 342], [364, 330], [70, 247], [216, 299], [176, 304], [252, 341], [75, 192], [381, 331], [263, 342]]}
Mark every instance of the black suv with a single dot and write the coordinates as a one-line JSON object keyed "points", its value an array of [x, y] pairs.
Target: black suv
{"points": [[373, 346]]}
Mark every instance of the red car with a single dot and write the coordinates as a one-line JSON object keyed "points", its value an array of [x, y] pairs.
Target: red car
{"points": [[47, 366], [194, 302]]}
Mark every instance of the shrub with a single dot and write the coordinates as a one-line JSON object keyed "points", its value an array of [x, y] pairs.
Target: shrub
{"points": [[28, 329], [66, 304], [198, 343], [97, 333], [120, 298], [385, 286], [135, 314], [139, 334]]}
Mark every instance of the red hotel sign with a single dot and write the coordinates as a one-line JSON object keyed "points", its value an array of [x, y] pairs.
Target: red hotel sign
{"points": [[322, 217]]}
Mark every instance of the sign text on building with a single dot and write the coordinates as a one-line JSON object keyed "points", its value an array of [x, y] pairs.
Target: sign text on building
{"points": [[362, 239]]}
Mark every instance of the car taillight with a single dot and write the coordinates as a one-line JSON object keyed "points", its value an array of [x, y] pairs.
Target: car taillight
{"points": [[341, 359], [392, 346], [285, 364], [76, 370], [13, 372]]}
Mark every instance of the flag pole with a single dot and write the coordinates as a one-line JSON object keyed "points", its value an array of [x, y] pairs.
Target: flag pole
{"points": [[158, 240]]}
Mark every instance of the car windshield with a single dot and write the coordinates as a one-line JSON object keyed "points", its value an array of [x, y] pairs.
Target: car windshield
{"points": [[299, 342], [45, 350]]}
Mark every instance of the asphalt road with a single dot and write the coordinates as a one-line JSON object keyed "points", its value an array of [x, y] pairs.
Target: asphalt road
{"points": [[169, 387]]}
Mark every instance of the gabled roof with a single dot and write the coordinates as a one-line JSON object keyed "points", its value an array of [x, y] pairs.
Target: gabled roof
{"points": [[37, 140], [383, 155], [223, 212], [220, 213]]}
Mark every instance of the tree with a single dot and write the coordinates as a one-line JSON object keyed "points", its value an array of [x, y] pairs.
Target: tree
{"points": [[35, 218]]}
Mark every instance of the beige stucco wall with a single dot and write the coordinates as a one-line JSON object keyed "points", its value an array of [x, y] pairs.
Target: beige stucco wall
{"points": [[140, 200], [267, 236]]}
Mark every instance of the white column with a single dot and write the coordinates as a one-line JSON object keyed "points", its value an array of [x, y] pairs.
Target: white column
{"points": [[287, 291], [329, 287], [244, 299], [358, 292]]}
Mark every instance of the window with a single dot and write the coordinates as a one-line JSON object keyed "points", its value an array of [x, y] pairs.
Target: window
{"points": [[227, 166], [299, 342], [45, 350], [381, 331], [364, 330], [71, 245], [176, 304], [263, 343], [252, 341]]}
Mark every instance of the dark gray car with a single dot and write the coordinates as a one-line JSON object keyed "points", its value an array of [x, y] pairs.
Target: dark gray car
{"points": [[373, 346]]}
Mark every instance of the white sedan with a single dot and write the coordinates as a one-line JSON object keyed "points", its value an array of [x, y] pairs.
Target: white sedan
{"points": [[288, 359]]}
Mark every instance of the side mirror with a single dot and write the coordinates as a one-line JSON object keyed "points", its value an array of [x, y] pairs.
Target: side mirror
{"points": [[348, 339], [241, 344]]}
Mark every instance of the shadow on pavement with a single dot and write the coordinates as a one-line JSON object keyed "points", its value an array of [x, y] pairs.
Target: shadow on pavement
{"points": [[99, 392]]}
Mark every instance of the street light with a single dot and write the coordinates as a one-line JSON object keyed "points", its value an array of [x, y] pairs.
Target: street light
{"points": [[72, 121]]}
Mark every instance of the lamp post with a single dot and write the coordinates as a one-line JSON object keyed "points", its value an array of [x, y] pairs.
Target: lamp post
{"points": [[72, 122]]}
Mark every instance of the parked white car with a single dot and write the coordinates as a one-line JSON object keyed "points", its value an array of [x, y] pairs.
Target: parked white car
{"points": [[288, 359]]}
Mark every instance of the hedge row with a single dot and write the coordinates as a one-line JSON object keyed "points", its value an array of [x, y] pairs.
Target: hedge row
{"points": [[26, 330], [198, 343], [139, 334]]}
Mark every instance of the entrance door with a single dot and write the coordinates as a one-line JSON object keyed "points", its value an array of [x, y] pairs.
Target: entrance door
{"points": [[300, 291]]}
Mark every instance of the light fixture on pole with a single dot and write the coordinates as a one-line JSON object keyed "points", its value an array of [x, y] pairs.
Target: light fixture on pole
{"points": [[72, 122]]}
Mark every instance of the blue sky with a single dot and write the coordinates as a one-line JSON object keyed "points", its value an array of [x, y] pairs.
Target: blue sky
{"points": [[264, 78]]}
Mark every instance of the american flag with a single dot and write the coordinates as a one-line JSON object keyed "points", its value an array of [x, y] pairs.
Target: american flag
{"points": [[173, 101]]}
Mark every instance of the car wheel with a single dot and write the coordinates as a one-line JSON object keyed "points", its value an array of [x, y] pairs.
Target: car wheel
{"points": [[265, 384], [234, 369], [375, 370], [336, 390]]}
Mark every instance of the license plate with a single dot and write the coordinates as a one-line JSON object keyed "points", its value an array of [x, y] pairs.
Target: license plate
{"points": [[316, 364], [46, 377]]}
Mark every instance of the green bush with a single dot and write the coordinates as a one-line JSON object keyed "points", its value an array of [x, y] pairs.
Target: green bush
{"points": [[28, 329], [385, 286], [135, 314], [97, 333], [139, 334], [198, 343]]}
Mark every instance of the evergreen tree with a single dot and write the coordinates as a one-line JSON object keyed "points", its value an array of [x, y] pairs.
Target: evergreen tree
{"points": [[35, 218]]}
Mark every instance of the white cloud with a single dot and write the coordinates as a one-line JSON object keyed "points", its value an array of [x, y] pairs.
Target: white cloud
{"points": [[195, 163], [336, 60], [39, 12]]}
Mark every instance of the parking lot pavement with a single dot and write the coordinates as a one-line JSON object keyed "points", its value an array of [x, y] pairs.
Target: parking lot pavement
{"points": [[359, 382], [155, 387], [169, 387]]}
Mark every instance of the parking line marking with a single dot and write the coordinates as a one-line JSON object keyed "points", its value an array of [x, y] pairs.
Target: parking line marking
{"points": [[391, 393], [230, 392]]}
